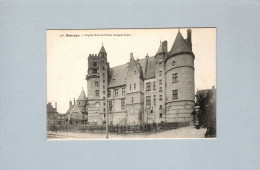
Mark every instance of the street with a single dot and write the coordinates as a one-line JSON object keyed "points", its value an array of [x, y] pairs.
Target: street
{"points": [[184, 132]]}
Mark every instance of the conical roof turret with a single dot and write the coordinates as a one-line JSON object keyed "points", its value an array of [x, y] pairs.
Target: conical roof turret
{"points": [[82, 95], [179, 46], [102, 50]]}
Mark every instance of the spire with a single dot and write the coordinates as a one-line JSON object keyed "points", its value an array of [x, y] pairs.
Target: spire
{"points": [[102, 50], [147, 55], [179, 45], [82, 95]]}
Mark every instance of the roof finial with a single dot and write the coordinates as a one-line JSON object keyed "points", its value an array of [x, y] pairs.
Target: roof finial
{"points": [[102, 44]]}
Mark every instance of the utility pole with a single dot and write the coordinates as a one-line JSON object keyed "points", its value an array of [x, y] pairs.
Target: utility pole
{"points": [[106, 102]]}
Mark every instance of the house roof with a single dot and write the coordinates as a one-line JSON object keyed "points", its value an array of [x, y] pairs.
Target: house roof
{"points": [[150, 71], [160, 50], [70, 108], [179, 46], [50, 108], [118, 75]]}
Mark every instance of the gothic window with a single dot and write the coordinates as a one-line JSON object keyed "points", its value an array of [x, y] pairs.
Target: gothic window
{"points": [[160, 115], [173, 63], [94, 70], [103, 74], [175, 77], [104, 109], [134, 86], [97, 83], [122, 104], [116, 92], [148, 100], [160, 73], [103, 87], [154, 99], [104, 92], [132, 99], [103, 67], [123, 91], [154, 85], [104, 81], [160, 82], [130, 86], [94, 63], [160, 64], [160, 97], [174, 94], [160, 89], [104, 103], [109, 93], [148, 86], [160, 106], [97, 92]]}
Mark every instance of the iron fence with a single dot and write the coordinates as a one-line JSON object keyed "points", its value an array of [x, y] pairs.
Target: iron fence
{"points": [[120, 129]]}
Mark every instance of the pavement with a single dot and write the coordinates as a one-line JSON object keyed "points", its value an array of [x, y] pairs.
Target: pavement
{"points": [[180, 133]]}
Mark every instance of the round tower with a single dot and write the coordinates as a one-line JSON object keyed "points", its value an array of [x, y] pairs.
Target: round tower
{"points": [[179, 69]]}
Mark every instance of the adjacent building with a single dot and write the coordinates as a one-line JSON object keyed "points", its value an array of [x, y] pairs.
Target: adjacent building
{"points": [[77, 112]]}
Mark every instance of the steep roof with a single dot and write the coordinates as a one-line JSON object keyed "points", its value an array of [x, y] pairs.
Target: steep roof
{"points": [[160, 50], [102, 50], [82, 95], [118, 75], [70, 108], [150, 71], [179, 45]]}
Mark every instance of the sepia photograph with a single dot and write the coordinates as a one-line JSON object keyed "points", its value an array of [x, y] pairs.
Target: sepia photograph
{"points": [[131, 84]]}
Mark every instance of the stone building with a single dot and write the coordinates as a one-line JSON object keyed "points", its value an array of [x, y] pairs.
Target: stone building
{"points": [[52, 114], [77, 112], [153, 89]]}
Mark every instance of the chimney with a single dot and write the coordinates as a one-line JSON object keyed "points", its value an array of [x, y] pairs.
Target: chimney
{"points": [[70, 103], [189, 38], [164, 46], [56, 106]]}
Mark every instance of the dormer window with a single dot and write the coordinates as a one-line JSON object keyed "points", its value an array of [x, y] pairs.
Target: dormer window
{"points": [[173, 63]]}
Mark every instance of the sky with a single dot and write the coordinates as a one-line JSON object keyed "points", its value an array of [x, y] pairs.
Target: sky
{"points": [[68, 51]]}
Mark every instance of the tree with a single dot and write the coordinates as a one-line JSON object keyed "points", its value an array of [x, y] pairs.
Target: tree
{"points": [[207, 113]]}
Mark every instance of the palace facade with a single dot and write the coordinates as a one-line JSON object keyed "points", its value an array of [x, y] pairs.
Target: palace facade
{"points": [[153, 89]]}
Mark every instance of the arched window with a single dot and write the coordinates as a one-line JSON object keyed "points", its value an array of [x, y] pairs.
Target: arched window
{"points": [[173, 63], [97, 104]]}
